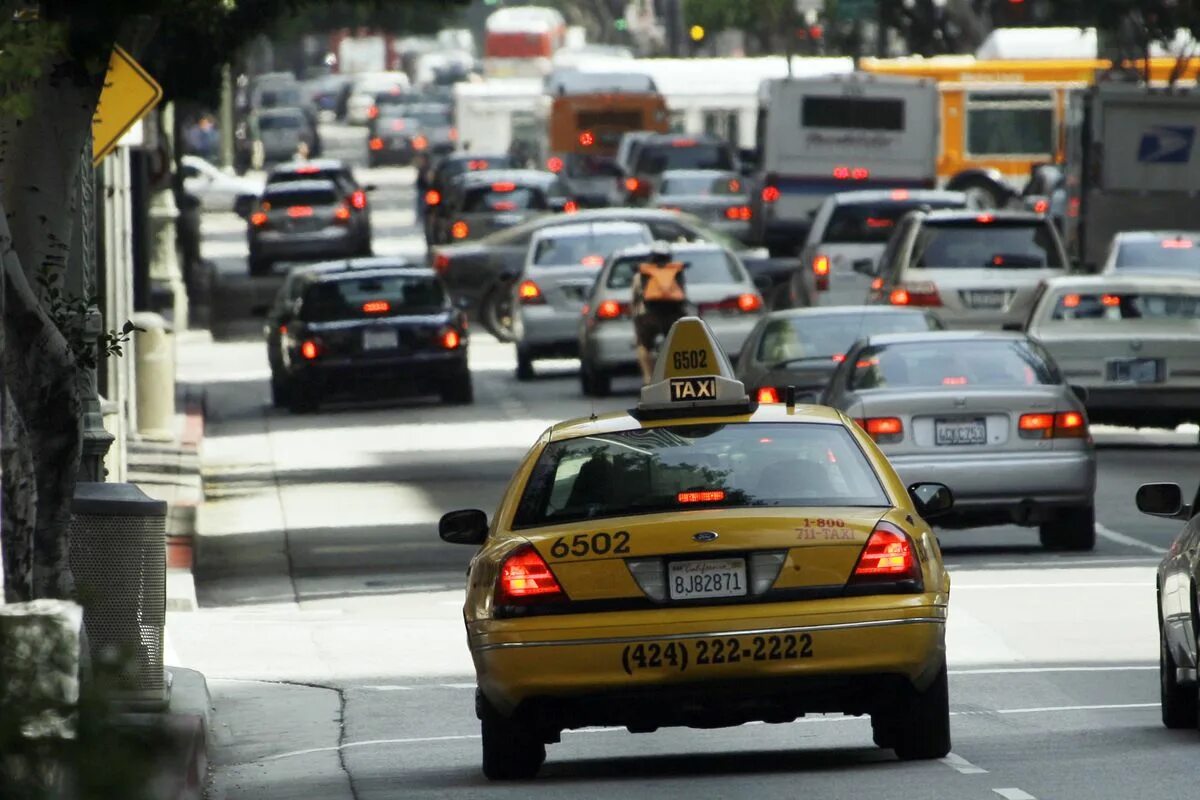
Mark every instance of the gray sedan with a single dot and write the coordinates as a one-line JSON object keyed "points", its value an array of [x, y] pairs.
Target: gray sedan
{"points": [[719, 197], [801, 347], [989, 415]]}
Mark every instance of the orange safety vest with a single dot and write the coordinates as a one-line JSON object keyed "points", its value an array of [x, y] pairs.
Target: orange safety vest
{"points": [[662, 283]]}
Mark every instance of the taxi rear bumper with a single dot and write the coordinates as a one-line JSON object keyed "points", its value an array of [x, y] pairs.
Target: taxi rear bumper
{"points": [[767, 668]]}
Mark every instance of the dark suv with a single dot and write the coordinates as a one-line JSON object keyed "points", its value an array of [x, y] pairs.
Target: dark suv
{"points": [[330, 169], [478, 203], [302, 221], [657, 153]]}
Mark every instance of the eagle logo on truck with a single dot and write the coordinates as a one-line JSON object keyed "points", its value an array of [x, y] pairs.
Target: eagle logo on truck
{"points": [[1166, 144]]}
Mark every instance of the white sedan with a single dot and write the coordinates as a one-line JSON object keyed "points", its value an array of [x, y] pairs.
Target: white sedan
{"points": [[216, 189], [1133, 341]]}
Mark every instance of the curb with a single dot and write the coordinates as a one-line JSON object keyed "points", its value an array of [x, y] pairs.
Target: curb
{"points": [[185, 726]]}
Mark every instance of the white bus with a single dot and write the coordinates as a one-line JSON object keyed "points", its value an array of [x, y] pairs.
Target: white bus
{"points": [[818, 136]]}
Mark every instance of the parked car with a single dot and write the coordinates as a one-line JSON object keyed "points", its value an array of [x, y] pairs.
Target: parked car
{"points": [[302, 221]]}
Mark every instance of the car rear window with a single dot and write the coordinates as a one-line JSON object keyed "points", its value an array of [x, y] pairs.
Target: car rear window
{"points": [[704, 267], [499, 197], [423, 117], [703, 186], [1116, 305], [279, 123], [389, 295], [302, 197], [826, 337], [590, 250], [450, 169], [1181, 255], [287, 176], [975, 244], [672, 468], [585, 166], [941, 363], [654, 159], [871, 223]]}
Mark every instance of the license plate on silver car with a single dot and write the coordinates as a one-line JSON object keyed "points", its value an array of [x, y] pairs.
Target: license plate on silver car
{"points": [[1135, 370], [990, 299], [959, 431], [712, 577], [381, 339]]}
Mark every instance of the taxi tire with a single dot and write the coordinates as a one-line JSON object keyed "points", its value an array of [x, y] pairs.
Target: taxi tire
{"points": [[922, 726], [511, 751], [1069, 529], [1179, 703]]}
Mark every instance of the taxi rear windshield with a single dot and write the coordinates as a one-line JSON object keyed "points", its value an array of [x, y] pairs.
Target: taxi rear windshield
{"points": [[522, 198], [1179, 255], [372, 296], [711, 267], [1005, 362], [1115, 306], [998, 244], [684, 467]]}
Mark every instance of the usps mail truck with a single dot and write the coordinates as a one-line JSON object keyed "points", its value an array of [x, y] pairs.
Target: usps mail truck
{"points": [[817, 136]]}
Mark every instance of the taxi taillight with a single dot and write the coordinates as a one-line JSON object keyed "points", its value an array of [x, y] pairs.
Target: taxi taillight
{"points": [[889, 558], [525, 578]]}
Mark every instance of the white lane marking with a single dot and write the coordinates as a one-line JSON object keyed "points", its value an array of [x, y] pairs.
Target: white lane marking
{"points": [[1128, 541], [991, 566], [457, 685], [957, 762], [390, 688], [1055, 709], [1035, 670], [1014, 794], [1081, 585]]}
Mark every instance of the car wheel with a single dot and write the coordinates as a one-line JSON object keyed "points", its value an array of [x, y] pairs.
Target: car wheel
{"points": [[459, 391], [981, 193], [1179, 703], [883, 730], [511, 751], [923, 724], [496, 313], [524, 365], [1070, 529], [280, 391], [303, 399]]}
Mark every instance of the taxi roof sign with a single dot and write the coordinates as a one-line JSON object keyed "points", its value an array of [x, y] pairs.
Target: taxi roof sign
{"points": [[693, 374]]}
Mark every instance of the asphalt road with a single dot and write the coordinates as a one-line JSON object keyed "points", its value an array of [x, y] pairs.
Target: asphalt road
{"points": [[330, 621]]}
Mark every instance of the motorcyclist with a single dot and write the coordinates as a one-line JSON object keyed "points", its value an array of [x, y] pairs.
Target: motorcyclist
{"points": [[659, 299]]}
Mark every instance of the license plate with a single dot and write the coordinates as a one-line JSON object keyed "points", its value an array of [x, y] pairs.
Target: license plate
{"points": [[507, 219], [694, 580], [1135, 370], [953, 432], [384, 339], [990, 299]]}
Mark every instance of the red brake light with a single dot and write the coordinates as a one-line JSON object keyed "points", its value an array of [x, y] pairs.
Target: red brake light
{"points": [[441, 262], [877, 284], [985, 218], [738, 212], [375, 144], [916, 294], [530, 292], [749, 302], [1070, 301], [451, 340], [1177, 244], [300, 211], [505, 186], [708, 496], [884, 430], [376, 307], [341, 214], [309, 349], [768, 394], [525, 576], [477, 164], [860, 173], [841, 173], [554, 164], [879, 222], [460, 230], [770, 194], [258, 219], [1036, 426], [820, 265], [900, 194], [307, 169], [609, 309], [433, 197], [419, 142], [1110, 300], [1041, 206], [839, 358], [592, 261], [899, 297], [632, 184], [397, 124], [683, 143], [1044, 425], [954, 380], [570, 207], [372, 112], [888, 556], [587, 139], [1070, 424], [358, 199]]}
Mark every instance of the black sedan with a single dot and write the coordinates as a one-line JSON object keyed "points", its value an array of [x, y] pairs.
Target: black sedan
{"points": [[1178, 618], [358, 333], [802, 347]]}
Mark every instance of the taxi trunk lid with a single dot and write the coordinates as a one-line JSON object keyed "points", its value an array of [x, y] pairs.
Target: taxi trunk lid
{"points": [[709, 555]]}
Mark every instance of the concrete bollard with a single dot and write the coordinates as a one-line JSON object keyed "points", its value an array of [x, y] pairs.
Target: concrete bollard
{"points": [[154, 371]]}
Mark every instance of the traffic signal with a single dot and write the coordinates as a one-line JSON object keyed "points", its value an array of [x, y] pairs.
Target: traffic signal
{"points": [[697, 33]]}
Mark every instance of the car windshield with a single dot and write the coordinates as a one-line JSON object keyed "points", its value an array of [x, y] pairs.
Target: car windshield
{"points": [[371, 296], [871, 223], [590, 250], [503, 197], [1001, 362], [701, 267], [654, 159], [829, 336], [1177, 255], [1118, 305], [703, 185], [668, 468], [302, 197], [976, 245]]}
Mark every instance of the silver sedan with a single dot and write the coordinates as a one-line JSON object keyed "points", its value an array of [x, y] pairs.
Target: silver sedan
{"points": [[987, 414]]}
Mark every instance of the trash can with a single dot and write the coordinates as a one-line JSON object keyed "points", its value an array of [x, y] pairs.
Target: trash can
{"points": [[154, 372], [118, 557]]}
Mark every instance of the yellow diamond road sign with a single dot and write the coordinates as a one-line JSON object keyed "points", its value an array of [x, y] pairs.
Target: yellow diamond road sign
{"points": [[128, 95]]}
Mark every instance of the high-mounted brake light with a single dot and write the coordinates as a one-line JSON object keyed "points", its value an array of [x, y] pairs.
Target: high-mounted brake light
{"points": [[683, 143], [985, 218], [707, 496], [358, 199], [884, 430], [309, 349], [376, 307], [526, 577], [529, 292], [397, 124], [610, 309], [504, 186], [587, 139], [376, 143], [433, 197], [460, 230], [900, 194], [768, 394], [889, 557], [592, 261], [482, 163], [880, 222], [554, 164], [954, 380], [1177, 244], [307, 169], [300, 211]]}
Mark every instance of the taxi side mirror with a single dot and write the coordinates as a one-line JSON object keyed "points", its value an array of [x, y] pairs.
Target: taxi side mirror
{"points": [[464, 527], [931, 499], [1162, 500]]}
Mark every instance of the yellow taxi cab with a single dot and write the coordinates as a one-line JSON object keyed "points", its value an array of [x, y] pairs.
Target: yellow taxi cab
{"points": [[705, 561]]}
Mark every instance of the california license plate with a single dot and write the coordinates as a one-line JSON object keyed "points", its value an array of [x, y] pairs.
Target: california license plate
{"points": [[1135, 370], [380, 339], [959, 431], [695, 580]]}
